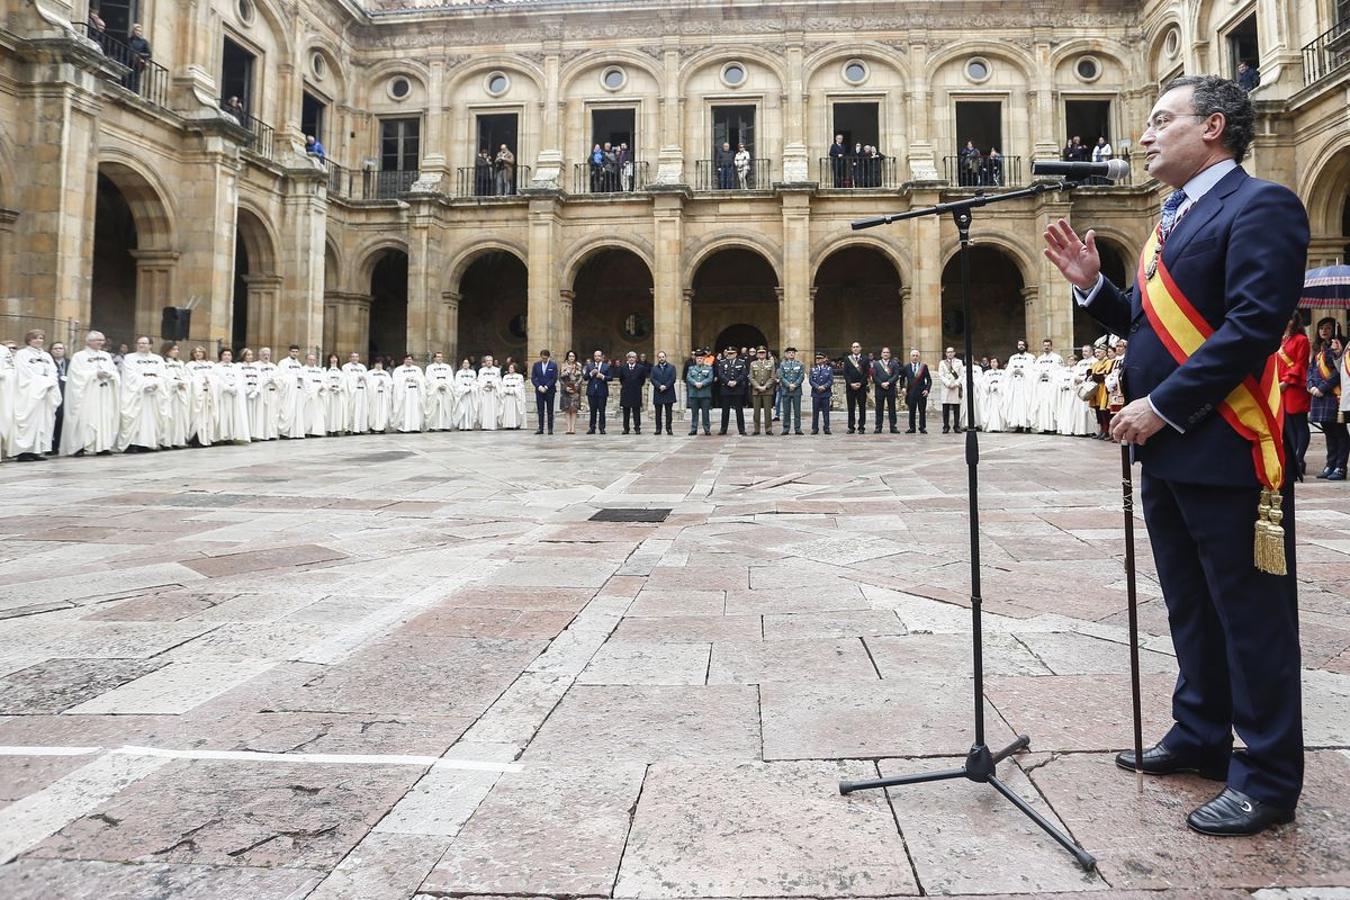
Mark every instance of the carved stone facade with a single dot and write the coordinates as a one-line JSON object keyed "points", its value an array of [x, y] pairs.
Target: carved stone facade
{"points": [[124, 191]]}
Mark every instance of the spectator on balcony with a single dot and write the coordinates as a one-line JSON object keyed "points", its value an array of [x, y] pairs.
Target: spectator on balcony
{"points": [[742, 162], [98, 30], [611, 180], [1076, 151], [596, 162], [837, 164], [505, 166], [482, 173], [140, 57], [1247, 77], [725, 161], [993, 167], [235, 108], [625, 161], [314, 148], [971, 160], [1102, 152]]}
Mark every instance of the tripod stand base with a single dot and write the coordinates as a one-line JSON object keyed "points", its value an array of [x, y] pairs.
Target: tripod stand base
{"points": [[979, 767]]}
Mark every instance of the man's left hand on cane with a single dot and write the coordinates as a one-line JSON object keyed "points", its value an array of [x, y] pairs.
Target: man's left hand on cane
{"points": [[1136, 422]]}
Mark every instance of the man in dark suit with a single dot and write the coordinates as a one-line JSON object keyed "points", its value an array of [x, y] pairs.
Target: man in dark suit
{"points": [[544, 377], [58, 352], [632, 376], [918, 382], [733, 377], [855, 386], [663, 390], [598, 374], [885, 379], [1220, 278]]}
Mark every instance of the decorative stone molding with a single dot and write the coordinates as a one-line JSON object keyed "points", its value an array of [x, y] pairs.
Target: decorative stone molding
{"points": [[548, 171], [670, 165], [796, 164]]}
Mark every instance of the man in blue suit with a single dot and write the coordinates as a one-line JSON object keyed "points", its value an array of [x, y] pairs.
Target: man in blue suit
{"points": [[544, 377], [663, 390], [597, 374], [1217, 282], [632, 375]]}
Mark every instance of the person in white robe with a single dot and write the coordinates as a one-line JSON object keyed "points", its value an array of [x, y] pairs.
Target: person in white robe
{"points": [[255, 384], [1084, 418], [93, 404], [291, 395], [176, 408], [205, 397], [358, 387], [1018, 390], [231, 401], [489, 388], [440, 394], [513, 398], [380, 401], [315, 391], [410, 396], [37, 395], [337, 398], [1046, 392], [466, 397], [7, 379], [993, 382], [144, 400]]}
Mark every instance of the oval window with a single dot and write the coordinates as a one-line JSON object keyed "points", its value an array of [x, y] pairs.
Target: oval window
{"points": [[399, 88], [1088, 68], [855, 72], [734, 74], [977, 70], [497, 83], [613, 79]]}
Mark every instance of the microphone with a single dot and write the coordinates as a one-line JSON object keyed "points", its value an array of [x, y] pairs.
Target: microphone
{"points": [[1112, 169]]}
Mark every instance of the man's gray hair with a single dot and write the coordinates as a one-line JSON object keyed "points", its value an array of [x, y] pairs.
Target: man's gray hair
{"points": [[1213, 94]]}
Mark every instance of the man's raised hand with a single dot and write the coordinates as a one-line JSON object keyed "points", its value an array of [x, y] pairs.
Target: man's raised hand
{"points": [[1076, 259]]}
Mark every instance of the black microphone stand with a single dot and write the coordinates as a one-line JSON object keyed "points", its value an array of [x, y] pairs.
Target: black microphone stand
{"points": [[980, 761]]}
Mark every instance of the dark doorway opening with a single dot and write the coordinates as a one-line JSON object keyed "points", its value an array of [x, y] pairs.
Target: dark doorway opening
{"points": [[997, 309], [239, 311], [1117, 268], [734, 287], [1088, 119], [236, 75], [389, 306], [113, 293], [858, 123], [614, 127], [495, 129], [980, 121], [312, 111], [1244, 45], [612, 309], [733, 125], [118, 16], [493, 306], [858, 299], [738, 336]]}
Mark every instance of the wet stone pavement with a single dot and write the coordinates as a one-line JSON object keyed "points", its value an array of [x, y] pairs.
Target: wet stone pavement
{"points": [[412, 666]]}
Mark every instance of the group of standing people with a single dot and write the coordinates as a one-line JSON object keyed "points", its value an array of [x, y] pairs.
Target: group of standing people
{"points": [[856, 166], [1312, 377], [978, 169], [733, 167], [495, 174], [611, 168]]}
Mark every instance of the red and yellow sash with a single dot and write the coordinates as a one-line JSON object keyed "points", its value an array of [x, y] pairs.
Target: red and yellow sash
{"points": [[1325, 371], [1253, 408]]}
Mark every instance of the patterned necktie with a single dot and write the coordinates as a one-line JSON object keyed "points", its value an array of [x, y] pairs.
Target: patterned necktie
{"points": [[1169, 213]]}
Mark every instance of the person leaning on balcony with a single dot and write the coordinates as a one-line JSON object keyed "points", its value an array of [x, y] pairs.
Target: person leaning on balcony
{"points": [[98, 30], [235, 108], [314, 148], [1247, 77], [837, 165], [140, 57], [505, 166], [625, 158]]}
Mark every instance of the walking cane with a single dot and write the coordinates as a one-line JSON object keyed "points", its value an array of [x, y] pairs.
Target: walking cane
{"points": [[1127, 490]]}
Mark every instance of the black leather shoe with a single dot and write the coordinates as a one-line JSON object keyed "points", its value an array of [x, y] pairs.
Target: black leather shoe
{"points": [[1158, 760], [909, 431], [1234, 814]]}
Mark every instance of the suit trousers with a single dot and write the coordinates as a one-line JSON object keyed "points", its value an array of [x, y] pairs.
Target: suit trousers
{"points": [[1235, 631], [792, 411], [764, 402], [730, 402], [886, 398], [919, 405], [952, 411], [857, 399], [820, 408], [1338, 444], [700, 406], [597, 412], [543, 409], [668, 408], [637, 418]]}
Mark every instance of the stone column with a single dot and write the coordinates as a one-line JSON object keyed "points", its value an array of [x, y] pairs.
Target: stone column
{"points": [[923, 162], [263, 314], [450, 310], [670, 319], [424, 314], [346, 323], [903, 295], [922, 323], [301, 260], [541, 310], [795, 313], [1038, 319], [155, 290], [566, 302], [670, 158], [1044, 142]]}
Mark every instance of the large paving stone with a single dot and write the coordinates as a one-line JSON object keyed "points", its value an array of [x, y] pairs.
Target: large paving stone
{"points": [[761, 829], [760, 662], [1073, 653], [555, 830], [639, 662], [382, 867], [57, 685], [945, 655], [1141, 840], [1082, 712], [648, 723], [46, 879], [690, 629]]}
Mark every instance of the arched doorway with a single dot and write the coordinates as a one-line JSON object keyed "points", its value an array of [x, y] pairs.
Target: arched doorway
{"points": [[253, 310], [734, 287], [612, 308], [997, 308], [389, 305], [857, 299], [494, 294], [1120, 272], [739, 335], [112, 295]]}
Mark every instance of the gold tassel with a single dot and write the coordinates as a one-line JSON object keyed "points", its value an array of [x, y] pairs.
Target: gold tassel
{"points": [[1269, 550]]}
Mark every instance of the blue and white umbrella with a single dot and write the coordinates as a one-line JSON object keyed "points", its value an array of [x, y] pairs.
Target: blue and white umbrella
{"points": [[1326, 288]]}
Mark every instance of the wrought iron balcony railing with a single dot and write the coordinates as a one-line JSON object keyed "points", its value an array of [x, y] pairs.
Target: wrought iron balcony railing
{"points": [[858, 172], [982, 171], [718, 175], [627, 177]]}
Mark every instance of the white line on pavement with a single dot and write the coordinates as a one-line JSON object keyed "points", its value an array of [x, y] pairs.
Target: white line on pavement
{"points": [[323, 759]]}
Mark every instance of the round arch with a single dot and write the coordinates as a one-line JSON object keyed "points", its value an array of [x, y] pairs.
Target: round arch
{"points": [[577, 67], [1097, 46], [998, 310], [582, 252], [1318, 188], [902, 263], [332, 263], [728, 240], [330, 54], [465, 258], [1027, 262], [1006, 52], [257, 237], [733, 283], [370, 254], [479, 65], [721, 52], [491, 314], [857, 287], [867, 50], [275, 21], [612, 306], [146, 195], [1155, 37], [387, 282]]}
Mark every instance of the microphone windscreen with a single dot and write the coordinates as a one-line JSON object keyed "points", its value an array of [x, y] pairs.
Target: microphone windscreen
{"points": [[1116, 169]]}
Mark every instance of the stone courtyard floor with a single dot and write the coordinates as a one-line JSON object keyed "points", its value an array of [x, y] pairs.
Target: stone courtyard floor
{"points": [[398, 666]]}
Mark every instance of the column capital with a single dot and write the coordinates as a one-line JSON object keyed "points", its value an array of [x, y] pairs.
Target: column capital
{"points": [[1029, 294], [451, 298], [688, 294]]}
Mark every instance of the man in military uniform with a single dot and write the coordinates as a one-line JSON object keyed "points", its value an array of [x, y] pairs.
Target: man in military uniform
{"points": [[855, 386], [791, 374], [822, 391], [699, 379], [885, 374], [732, 374], [761, 386]]}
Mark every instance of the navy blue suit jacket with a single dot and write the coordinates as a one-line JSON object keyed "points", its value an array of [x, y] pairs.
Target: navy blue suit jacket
{"points": [[1238, 255], [544, 375], [630, 383], [663, 374], [597, 388]]}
